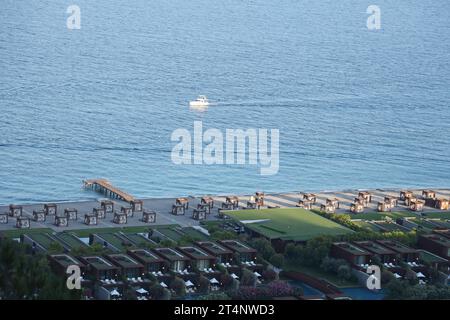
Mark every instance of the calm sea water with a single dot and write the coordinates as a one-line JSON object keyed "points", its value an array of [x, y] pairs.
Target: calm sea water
{"points": [[355, 108]]}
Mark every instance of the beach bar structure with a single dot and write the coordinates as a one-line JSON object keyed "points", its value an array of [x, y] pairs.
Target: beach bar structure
{"points": [[4, 218], [137, 205], [50, 209], [71, 213], [90, 219], [61, 221], [149, 216], [108, 206], [442, 204], [22, 222], [120, 218], [39, 215], [15, 211], [99, 213]]}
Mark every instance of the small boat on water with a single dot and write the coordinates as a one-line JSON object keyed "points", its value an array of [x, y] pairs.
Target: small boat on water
{"points": [[201, 101]]}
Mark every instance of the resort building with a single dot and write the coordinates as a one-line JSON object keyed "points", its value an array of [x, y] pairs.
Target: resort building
{"points": [[436, 244], [240, 250], [150, 261], [129, 267], [222, 254], [177, 261], [60, 263], [99, 268], [351, 253], [200, 259], [406, 253], [383, 253]]}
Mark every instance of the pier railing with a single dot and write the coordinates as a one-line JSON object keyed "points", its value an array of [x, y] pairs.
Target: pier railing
{"points": [[104, 186]]}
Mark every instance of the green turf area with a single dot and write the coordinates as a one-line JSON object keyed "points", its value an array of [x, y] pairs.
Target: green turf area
{"points": [[17, 232], [441, 215], [71, 240], [320, 274], [367, 225], [195, 234], [42, 239], [289, 223], [82, 233], [390, 226]]}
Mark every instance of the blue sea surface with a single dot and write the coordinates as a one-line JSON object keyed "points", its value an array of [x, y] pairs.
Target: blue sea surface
{"points": [[356, 108]]}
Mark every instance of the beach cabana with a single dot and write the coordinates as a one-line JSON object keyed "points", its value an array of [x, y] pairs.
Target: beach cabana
{"points": [[3, 218], [15, 211], [428, 194], [305, 204], [208, 201], [232, 201], [22, 222], [405, 194], [120, 218], [182, 202], [417, 205], [199, 214], [107, 205], [71, 213], [127, 210], [259, 196], [391, 200], [410, 200], [149, 216], [39, 215], [356, 207], [137, 205], [90, 219], [61, 221], [442, 204], [310, 197], [384, 206], [204, 207], [100, 213], [333, 202], [327, 208], [178, 209], [366, 196], [50, 209]]}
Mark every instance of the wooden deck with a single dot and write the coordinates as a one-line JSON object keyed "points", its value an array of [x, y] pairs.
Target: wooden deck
{"points": [[104, 186]]}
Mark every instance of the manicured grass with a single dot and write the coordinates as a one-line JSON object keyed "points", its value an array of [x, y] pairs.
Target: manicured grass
{"points": [[367, 225], [386, 226], [82, 233], [17, 232], [320, 274], [441, 215], [289, 223], [71, 240]]}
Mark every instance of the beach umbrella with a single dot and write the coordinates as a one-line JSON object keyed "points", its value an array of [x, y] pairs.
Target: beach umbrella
{"points": [[115, 293], [257, 274], [214, 281], [234, 276], [397, 275], [420, 275], [189, 283], [163, 284], [141, 291]]}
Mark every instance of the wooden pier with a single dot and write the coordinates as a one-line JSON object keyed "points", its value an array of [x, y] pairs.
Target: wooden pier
{"points": [[104, 186]]}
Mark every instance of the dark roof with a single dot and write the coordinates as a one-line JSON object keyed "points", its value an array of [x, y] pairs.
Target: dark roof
{"points": [[374, 247], [397, 246], [64, 260], [123, 261], [237, 246], [98, 263], [196, 253], [437, 239], [171, 254], [352, 249], [145, 256], [213, 248]]}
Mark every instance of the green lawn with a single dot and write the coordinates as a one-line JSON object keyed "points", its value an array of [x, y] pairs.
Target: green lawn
{"points": [[15, 233], [442, 215], [289, 223], [382, 215], [82, 233], [367, 225], [320, 274]]}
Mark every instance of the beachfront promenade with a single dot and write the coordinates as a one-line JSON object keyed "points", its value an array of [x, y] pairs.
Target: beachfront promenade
{"points": [[163, 207]]}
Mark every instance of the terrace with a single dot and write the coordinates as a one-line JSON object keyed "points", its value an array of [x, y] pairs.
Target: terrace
{"points": [[178, 261], [202, 259], [101, 269], [222, 254], [246, 253], [129, 267], [408, 254], [385, 254], [351, 253], [152, 263]]}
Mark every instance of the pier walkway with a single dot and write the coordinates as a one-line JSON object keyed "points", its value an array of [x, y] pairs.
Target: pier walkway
{"points": [[104, 186]]}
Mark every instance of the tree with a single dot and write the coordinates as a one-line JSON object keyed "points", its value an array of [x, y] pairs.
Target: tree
{"points": [[158, 292], [203, 285], [344, 272], [178, 285], [248, 278], [270, 275], [277, 260]]}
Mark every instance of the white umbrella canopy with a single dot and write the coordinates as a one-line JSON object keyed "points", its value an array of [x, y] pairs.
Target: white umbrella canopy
{"points": [[420, 275], [189, 283], [234, 276], [214, 281], [257, 274], [397, 275], [163, 284], [141, 290], [115, 293]]}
